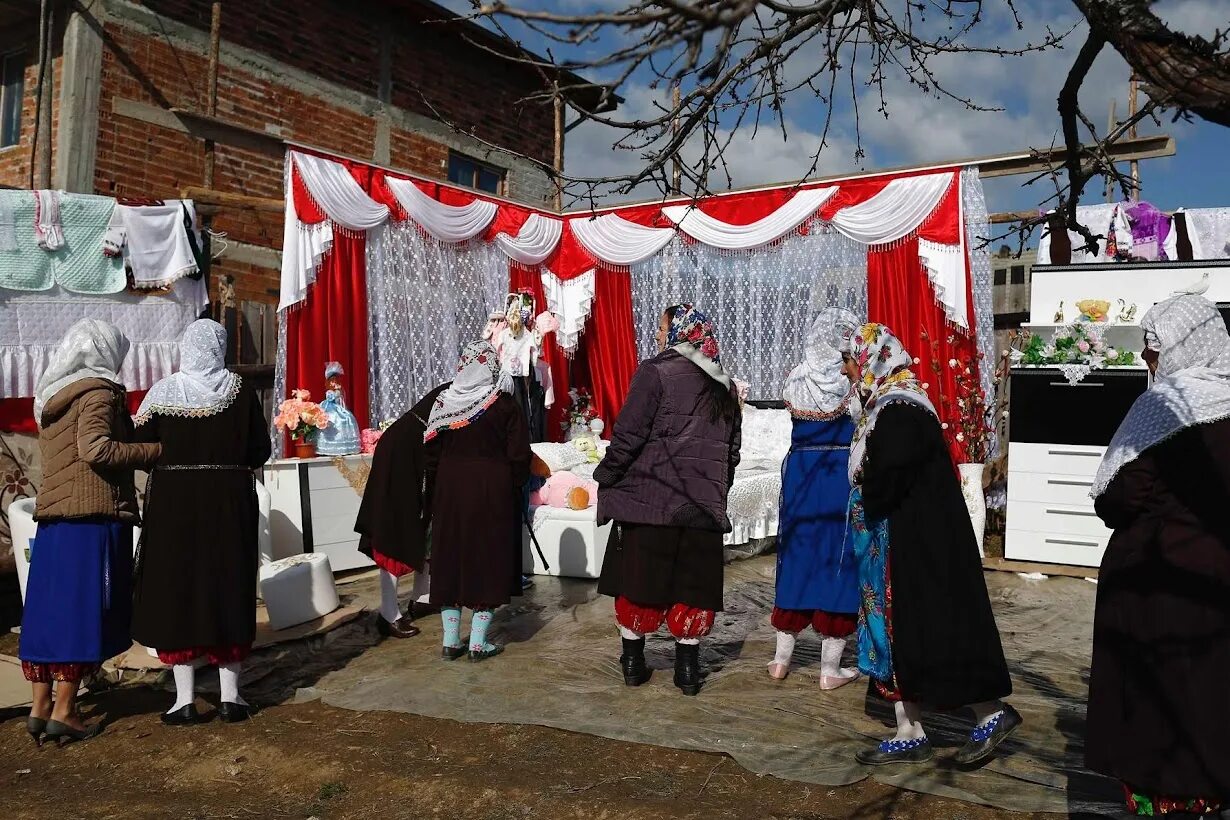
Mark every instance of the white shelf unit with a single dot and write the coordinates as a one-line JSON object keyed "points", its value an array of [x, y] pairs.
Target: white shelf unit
{"points": [[313, 509]]}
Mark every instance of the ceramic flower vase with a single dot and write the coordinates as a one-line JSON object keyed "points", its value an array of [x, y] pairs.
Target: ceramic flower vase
{"points": [[975, 500]]}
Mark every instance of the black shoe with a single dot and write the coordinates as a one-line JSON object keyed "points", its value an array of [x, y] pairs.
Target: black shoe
{"points": [[37, 727], [235, 712], [62, 733], [403, 628], [687, 668], [897, 751], [187, 716], [452, 653], [477, 655], [984, 740], [633, 662], [526, 582]]}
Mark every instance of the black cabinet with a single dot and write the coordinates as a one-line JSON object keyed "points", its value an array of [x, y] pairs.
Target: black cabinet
{"points": [[1045, 409]]}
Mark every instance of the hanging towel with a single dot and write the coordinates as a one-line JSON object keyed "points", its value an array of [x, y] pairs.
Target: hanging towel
{"points": [[154, 242], [47, 227], [80, 266], [23, 266]]}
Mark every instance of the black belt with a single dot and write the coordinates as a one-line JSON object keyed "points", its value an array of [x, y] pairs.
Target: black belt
{"points": [[227, 467]]}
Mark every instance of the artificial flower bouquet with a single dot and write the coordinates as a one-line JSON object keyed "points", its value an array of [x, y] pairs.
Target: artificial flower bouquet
{"points": [[302, 418], [1076, 343]]}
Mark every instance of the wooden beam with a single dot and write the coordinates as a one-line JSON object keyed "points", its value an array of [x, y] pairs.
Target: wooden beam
{"points": [[1036, 162], [211, 87], [208, 200]]}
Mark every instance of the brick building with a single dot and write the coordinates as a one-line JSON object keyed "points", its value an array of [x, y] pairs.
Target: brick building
{"points": [[401, 83]]}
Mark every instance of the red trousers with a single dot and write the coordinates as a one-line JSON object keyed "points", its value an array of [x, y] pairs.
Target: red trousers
{"points": [[683, 621], [217, 655], [392, 565], [829, 624]]}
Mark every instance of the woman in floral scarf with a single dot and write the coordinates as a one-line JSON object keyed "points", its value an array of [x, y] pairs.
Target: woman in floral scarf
{"points": [[925, 631], [664, 480]]}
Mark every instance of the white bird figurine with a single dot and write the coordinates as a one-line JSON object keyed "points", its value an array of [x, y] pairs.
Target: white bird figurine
{"points": [[1195, 289]]}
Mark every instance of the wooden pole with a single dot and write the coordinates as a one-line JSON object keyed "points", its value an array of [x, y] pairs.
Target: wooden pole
{"points": [[211, 92], [558, 102], [1133, 87], [1109, 187], [676, 166], [40, 166]]}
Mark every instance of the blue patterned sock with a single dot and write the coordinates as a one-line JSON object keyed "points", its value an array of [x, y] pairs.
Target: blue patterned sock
{"points": [[451, 618], [478, 631]]}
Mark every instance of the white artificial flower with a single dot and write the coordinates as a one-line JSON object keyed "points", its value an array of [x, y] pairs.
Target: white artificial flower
{"points": [[952, 363], [943, 425], [916, 360], [960, 437]]}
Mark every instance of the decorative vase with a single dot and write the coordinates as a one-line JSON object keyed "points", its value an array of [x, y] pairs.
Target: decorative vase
{"points": [[305, 449], [975, 500]]}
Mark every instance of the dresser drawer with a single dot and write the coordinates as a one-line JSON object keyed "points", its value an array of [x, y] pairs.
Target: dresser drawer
{"points": [[1049, 488], [1066, 519], [1054, 459], [1048, 409], [1054, 548]]}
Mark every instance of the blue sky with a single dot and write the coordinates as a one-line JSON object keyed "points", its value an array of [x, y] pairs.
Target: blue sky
{"points": [[921, 129]]}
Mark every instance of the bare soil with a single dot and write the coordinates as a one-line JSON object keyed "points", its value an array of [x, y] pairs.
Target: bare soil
{"points": [[312, 760]]}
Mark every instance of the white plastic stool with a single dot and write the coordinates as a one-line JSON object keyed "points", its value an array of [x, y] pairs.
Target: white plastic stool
{"points": [[298, 589], [23, 528]]}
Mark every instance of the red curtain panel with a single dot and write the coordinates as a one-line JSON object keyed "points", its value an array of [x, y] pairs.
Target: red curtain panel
{"points": [[609, 343], [900, 296], [331, 325]]}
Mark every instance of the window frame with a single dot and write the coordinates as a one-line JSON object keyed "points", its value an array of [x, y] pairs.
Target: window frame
{"points": [[478, 167], [1012, 275], [7, 58]]}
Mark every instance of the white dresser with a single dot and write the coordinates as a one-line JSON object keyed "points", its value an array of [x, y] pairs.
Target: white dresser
{"points": [[314, 503], [1056, 440]]}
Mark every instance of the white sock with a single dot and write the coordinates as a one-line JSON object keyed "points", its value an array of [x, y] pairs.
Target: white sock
{"points": [[909, 721], [389, 610], [689, 641], [420, 593], [228, 683], [830, 658], [785, 648], [624, 632], [984, 713], [185, 685]]}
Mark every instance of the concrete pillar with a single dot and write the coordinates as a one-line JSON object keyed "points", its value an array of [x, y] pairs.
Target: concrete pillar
{"points": [[77, 137]]}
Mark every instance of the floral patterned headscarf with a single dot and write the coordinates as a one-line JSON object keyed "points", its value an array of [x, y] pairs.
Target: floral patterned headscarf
{"points": [[885, 378], [693, 335], [475, 388]]}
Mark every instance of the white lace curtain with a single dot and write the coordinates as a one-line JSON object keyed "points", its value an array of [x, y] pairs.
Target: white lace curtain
{"points": [[762, 301], [426, 299]]}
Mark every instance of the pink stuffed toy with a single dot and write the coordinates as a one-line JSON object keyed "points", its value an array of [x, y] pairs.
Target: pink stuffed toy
{"points": [[566, 491]]}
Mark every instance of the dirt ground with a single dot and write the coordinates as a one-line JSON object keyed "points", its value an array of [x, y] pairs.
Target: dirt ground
{"points": [[311, 760]]}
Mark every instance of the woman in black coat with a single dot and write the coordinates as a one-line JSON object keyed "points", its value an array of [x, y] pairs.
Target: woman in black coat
{"points": [[478, 459], [1161, 634], [926, 633]]}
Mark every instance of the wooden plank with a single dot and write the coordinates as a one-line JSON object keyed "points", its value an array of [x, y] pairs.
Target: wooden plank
{"points": [[225, 199], [1004, 565]]}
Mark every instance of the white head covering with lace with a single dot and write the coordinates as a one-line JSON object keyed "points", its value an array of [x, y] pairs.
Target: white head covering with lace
{"points": [[92, 349], [203, 386], [1191, 386], [476, 386], [818, 387]]}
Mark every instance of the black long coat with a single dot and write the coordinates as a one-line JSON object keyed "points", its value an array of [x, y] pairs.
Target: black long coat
{"points": [[196, 575], [946, 647], [394, 514], [1161, 630], [475, 476]]}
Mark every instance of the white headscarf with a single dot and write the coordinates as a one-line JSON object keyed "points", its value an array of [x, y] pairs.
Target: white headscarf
{"points": [[818, 387], [203, 386], [885, 378], [92, 349], [476, 386], [1192, 383]]}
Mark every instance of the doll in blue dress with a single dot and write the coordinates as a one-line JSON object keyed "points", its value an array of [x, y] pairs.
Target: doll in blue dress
{"points": [[341, 437]]}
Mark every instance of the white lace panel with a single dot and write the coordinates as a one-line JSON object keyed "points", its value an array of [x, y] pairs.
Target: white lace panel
{"points": [[425, 300], [978, 231], [761, 300]]}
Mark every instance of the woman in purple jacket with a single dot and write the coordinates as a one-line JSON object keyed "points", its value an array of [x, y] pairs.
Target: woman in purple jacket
{"points": [[664, 482]]}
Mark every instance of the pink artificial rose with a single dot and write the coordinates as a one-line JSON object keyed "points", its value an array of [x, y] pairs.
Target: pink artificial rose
{"points": [[1082, 346], [301, 395]]}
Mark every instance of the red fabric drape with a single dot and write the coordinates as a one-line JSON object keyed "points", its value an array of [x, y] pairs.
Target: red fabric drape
{"points": [[900, 296], [17, 415], [609, 344], [331, 325], [519, 277]]}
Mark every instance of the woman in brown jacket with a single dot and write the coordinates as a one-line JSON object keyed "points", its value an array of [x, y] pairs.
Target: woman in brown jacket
{"points": [[79, 593]]}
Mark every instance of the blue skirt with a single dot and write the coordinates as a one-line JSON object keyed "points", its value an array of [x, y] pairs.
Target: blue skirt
{"points": [[816, 568], [79, 592]]}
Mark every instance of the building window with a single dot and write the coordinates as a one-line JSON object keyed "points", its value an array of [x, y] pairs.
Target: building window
{"points": [[471, 173], [12, 89], [1018, 274], [1001, 276]]}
